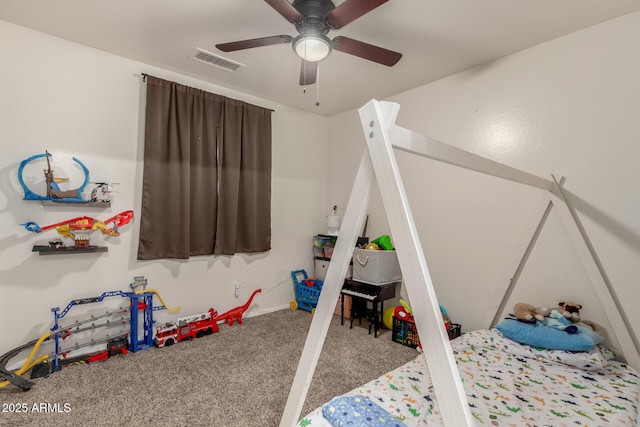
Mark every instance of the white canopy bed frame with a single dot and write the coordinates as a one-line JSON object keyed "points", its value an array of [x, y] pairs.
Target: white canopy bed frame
{"points": [[379, 164]]}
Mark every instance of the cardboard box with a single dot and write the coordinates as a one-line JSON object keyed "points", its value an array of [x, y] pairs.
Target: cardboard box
{"points": [[347, 306], [376, 267]]}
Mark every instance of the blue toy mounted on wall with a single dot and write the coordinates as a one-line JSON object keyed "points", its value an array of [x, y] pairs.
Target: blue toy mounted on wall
{"points": [[53, 190]]}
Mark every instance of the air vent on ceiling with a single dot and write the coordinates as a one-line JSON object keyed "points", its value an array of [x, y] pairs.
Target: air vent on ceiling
{"points": [[215, 60]]}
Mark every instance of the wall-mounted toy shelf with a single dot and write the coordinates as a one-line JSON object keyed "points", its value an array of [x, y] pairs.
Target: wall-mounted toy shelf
{"points": [[83, 204], [49, 250], [94, 194]]}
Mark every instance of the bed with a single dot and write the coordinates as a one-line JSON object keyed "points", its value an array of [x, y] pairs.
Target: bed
{"points": [[506, 384]]}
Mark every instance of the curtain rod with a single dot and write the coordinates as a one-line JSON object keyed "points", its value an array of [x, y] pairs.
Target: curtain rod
{"points": [[144, 79]]}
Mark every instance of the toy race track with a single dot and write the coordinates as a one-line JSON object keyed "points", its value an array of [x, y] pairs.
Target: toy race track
{"points": [[15, 378], [139, 310]]}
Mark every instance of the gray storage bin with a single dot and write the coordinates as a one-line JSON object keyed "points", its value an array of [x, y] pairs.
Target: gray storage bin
{"points": [[376, 267]]}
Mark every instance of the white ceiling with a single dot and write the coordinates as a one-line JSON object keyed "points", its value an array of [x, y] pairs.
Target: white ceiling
{"points": [[436, 37]]}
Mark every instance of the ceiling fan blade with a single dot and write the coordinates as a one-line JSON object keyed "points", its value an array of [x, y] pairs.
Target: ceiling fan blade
{"points": [[349, 11], [259, 42], [284, 8], [308, 72], [366, 51]]}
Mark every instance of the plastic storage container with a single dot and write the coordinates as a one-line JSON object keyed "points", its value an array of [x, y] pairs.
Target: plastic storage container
{"points": [[376, 267], [323, 246], [406, 333]]}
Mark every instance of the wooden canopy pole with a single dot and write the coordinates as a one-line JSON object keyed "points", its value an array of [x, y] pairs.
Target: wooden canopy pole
{"points": [[620, 325], [379, 164], [353, 220], [448, 387]]}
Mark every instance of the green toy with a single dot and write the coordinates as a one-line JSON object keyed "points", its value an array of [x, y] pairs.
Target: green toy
{"points": [[384, 242]]}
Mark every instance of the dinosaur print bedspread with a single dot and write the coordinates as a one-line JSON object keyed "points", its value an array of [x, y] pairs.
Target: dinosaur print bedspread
{"points": [[509, 388]]}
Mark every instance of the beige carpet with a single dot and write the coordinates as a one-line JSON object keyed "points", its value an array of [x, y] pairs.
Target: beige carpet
{"points": [[237, 377]]}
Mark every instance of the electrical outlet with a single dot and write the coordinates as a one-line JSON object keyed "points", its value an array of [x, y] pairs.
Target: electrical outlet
{"points": [[236, 288]]}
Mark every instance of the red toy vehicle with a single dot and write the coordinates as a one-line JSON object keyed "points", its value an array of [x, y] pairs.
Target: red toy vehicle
{"points": [[186, 328], [198, 325]]}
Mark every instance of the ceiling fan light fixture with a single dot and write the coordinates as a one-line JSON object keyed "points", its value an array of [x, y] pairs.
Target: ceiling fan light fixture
{"points": [[312, 47]]}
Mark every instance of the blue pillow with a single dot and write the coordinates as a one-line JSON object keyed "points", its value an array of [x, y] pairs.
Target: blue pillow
{"points": [[539, 335]]}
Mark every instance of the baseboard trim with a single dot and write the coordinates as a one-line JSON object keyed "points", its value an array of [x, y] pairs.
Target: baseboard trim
{"points": [[268, 310]]}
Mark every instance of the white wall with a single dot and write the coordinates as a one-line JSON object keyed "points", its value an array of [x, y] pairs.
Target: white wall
{"points": [[77, 101], [568, 107]]}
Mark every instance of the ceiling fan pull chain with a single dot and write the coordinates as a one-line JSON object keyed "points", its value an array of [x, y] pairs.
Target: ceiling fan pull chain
{"points": [[318, 86]]}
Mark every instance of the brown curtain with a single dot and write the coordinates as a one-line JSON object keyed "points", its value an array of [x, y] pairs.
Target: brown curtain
{"points": [[207, 174]]}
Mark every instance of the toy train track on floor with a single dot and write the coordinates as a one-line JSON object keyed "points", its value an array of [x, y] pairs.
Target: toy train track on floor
{"points": [[139, 310]]}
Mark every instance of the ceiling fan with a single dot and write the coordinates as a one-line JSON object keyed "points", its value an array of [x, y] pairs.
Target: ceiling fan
{"points": [[313, 19]]}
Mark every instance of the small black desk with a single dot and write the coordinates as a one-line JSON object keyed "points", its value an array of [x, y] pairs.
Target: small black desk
{"points": [[362, 294]]}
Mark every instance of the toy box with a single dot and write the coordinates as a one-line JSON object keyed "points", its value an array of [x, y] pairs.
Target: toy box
{"points": [[454, 331], [405, 332], [376, 267]]}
